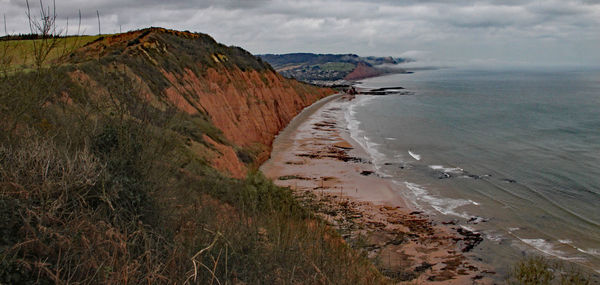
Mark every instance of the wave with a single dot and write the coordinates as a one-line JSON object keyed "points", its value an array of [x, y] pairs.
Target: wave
{"points": [[494, 236], [546, 247], [447, 169], [446, 206], [468, 228], [414, 155], [590, 251], [359, 136]]}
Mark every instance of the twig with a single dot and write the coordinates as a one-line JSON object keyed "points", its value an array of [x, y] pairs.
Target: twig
{"points": [[216, 262], [98, 15], [213, 274], [319, 271], [195, 275]]}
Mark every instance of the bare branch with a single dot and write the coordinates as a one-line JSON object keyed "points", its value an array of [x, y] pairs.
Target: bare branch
{"points": [[98, 15]]}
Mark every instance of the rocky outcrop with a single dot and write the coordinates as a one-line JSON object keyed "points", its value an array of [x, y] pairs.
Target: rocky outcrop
{"points": [[243, 97]]}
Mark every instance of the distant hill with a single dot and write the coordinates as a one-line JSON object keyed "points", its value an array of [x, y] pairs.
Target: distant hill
{"points": [[323, 68]]}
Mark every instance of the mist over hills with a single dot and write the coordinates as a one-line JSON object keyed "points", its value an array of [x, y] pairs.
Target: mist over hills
{"points": [[332, 68]]}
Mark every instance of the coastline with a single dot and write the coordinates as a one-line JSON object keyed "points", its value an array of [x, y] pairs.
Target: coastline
{"points": [[330, 172]]}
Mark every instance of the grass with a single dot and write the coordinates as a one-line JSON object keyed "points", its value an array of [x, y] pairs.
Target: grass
{"points": [[22, 55], [539, 270], [122, 210], [105, 189], [337, 66]]}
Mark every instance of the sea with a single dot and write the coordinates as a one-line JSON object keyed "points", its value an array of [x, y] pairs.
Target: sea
{"points": [[513, 154]]}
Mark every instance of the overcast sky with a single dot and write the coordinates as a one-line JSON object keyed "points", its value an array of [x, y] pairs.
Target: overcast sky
{"points": [[451, 32]]}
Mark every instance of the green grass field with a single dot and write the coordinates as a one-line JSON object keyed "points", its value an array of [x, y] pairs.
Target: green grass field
{"points": [[337, 66], [19, 54]]}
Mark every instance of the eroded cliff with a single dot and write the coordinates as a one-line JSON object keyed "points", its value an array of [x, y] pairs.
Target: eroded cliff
{"points": [[239, 101], [363, 70]]}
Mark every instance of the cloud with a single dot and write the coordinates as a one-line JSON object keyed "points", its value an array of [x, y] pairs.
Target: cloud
{"points": [[451, 31]]}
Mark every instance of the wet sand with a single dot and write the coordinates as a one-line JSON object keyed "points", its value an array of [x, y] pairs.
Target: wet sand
{"points": [[328, 171]]}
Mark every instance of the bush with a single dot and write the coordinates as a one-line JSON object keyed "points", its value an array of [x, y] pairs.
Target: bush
{"points": [[539, 270], [102, 188]]}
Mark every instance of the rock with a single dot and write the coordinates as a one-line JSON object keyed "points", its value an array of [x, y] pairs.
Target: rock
{"points": [[470, 239], [423, 267], [476, 220], [444, 175], [343, 145]]}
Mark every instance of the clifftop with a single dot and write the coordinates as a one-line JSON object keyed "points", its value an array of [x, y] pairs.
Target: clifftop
{"points": [[182, 47], [117, 165], [241, 99]]}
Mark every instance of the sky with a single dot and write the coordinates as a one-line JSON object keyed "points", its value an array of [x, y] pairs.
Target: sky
{"points": [[434, 32]]}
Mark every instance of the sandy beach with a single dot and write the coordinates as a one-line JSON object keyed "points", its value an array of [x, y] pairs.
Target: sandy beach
{"points": [[316, 157]]}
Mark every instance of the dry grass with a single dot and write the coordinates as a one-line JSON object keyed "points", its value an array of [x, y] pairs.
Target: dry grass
{"points": [[104, 189], [540, 270], [66, 220], [21, 51]]}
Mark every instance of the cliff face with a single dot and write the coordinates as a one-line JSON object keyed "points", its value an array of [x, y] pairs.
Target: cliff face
{"points": [[363, 70], [223, 87]]}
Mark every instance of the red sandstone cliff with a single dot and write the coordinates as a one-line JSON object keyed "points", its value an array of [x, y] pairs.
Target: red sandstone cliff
{"points": [[238, 94], [363, 70]]}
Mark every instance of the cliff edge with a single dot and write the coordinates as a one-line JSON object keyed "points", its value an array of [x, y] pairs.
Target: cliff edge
{"points": [[225, 87]]}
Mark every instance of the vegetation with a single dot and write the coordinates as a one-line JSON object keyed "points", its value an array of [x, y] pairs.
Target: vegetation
{"points": [[104, 188], [341, 66], [22, 50], [539, 270]]}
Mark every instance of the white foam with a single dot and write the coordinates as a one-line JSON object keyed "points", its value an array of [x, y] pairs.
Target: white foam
{"points": [[546, 247], [590, 251], [539, 244], [468, 228], [474, 203], [390, 139], [565, 241], [446, 169], [497, 238], [446, 206], [510, 230], [414, 155], [359, 136]]}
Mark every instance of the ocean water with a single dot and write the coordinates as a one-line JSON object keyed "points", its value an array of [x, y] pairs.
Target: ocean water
{"points": [[513, 154]]}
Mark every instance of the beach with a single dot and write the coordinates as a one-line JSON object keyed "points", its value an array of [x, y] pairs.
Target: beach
{"points": [[330, 172]]}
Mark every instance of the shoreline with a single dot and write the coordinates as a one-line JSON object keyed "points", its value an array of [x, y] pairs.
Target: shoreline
{"points": [[330, 172]]}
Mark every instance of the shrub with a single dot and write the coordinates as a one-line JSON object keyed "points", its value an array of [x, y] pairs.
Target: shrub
{"points": [[539, 270]]}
